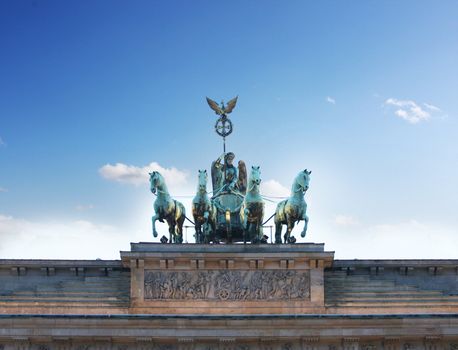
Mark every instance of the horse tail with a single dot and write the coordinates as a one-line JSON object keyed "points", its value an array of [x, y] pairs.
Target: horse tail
{"points": [[280, 215], [180, 212]]}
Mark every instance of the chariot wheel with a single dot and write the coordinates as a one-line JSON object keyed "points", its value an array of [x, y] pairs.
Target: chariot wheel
{"points": [[223, 127], [223, 294]]}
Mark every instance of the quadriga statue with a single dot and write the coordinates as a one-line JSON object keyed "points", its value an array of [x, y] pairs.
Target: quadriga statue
{"points": [[292, 210], [166, 208]]}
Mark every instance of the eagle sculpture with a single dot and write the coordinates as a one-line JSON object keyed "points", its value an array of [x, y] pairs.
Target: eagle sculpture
{"points": [[222, 110]]}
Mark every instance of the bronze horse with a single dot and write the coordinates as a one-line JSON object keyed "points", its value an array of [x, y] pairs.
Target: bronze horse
{"points": [[293, 209], [252, 210], [203, 211], [167, 208]]}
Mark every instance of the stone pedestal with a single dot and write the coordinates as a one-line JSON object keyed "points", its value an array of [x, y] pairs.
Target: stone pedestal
{"points": [[227, 279]]}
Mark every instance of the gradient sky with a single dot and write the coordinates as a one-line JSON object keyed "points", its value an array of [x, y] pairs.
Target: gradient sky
{"points": [[93, 94]]}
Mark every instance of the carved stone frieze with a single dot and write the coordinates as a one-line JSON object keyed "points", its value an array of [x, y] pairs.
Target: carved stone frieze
{"points": [[228, 285]]}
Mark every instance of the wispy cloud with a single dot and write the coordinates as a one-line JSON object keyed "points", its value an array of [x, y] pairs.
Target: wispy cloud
{"points": [[407, 239], [432, 107], [345, 220], [272, 188], [22, 238], [3, 189], [330, 100], [2, 143], [84, 207], [411, 111], [137, 176]]}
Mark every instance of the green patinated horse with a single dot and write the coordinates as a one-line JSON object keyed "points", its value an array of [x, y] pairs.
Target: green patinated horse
{"points": [[292, 210], [203, 211], [166, 208], [252, 210]]}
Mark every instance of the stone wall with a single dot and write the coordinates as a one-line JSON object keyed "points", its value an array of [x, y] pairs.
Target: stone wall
{"points": [[392, 286], [307, 332], [303, 276], [63, 286]]}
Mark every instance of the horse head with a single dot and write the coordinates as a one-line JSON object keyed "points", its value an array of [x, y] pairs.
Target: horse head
{"points": [[156, 180], [202, 185], [303, 180], [255, 177]]}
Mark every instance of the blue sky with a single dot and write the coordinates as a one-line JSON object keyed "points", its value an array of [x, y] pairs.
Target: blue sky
{"points": [[363, 93]]}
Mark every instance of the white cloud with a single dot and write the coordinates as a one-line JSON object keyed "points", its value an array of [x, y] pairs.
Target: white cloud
{"points": [[272, 188], [345, 220], [84, 207], [2, 189], [330, 100], [411, 111], [432, 107], [135, 175], [409, 239], [79, 239]]}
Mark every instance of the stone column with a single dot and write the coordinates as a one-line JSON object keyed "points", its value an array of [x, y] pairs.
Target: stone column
{"points": [[317, 282], [137, 280]]}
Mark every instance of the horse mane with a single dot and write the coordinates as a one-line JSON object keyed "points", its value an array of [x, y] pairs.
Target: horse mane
{"points": [[161, 181]]}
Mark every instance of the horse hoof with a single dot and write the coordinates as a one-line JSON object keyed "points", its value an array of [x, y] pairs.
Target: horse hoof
{"points": [[154, 234], [302, 234]]}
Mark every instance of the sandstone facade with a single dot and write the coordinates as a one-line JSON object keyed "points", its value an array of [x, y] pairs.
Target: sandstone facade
{"points": [[234, 297]]}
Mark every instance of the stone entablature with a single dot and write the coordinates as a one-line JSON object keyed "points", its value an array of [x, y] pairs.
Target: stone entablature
{"points": [[224, 279], [228, 297], [227, 279]]}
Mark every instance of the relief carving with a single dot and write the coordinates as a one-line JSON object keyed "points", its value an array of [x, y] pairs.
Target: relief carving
{"points": [[368, 347], [228, 285]]}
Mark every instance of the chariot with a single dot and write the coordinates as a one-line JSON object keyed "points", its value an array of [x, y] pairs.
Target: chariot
{"points": [[228, 226]]}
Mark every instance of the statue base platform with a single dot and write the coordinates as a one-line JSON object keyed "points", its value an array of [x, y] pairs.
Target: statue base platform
{"points": [[177, 279]]}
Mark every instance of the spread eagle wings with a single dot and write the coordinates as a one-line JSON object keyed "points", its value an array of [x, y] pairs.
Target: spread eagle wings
{"points": [[213, 105], [218, 110], [230, 105]]}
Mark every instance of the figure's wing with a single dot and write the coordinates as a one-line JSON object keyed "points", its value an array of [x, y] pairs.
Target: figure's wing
{"points": [[230, 105], [215, 176], [242, 180], [213, 105]]}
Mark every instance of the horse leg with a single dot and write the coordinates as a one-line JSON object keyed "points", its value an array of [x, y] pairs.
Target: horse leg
{"points": [[246, 225], [254, 235], [206, 228], [172, 232], [198, 228], [306, 221], [179, 232], [278, 227], [290, 226], [213, 228], [153, 219], [259, 231]]}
